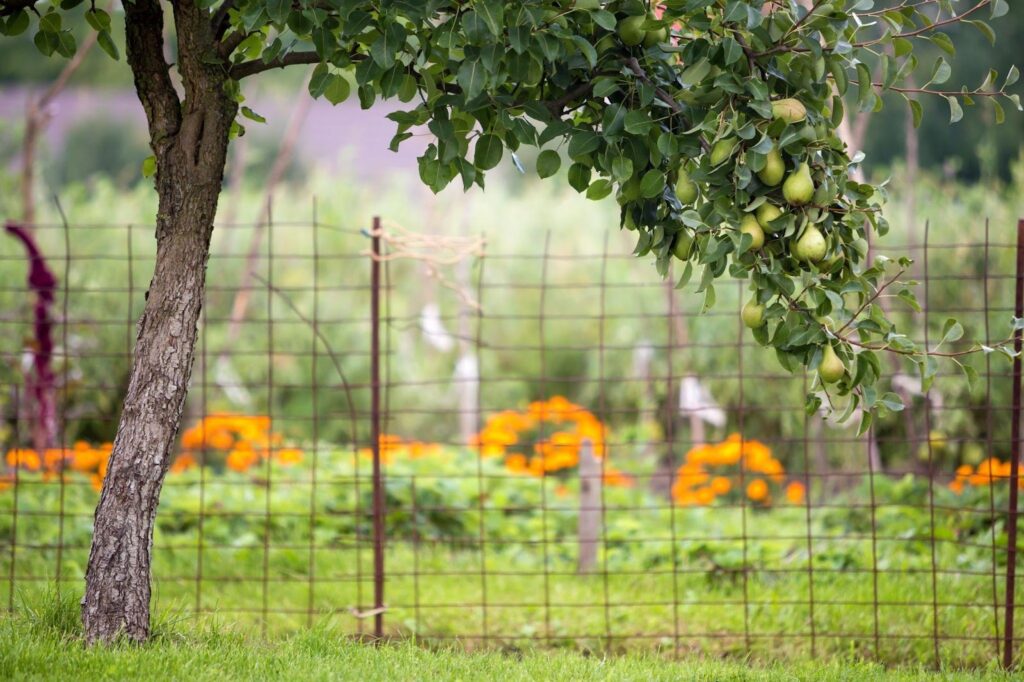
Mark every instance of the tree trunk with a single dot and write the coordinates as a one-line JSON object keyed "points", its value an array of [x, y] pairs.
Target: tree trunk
{"points": [[189, 139]]}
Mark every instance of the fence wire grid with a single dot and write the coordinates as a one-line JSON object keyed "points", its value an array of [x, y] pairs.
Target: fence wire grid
{"points": [[506, 444]]}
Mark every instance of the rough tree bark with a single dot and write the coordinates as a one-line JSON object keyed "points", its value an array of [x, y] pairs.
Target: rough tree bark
{"points": [[189, 137]]}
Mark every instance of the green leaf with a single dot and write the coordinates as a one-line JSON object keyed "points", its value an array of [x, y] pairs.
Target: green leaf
{"points": [[599, 189], [652, 184], [471, 77], [1011, 76], [940, 72], [984, 29], [106, 44], [252, 115], [493, 14], [917, 111], [16, 24], [999, 8], [98, 19], [865, 99], [955, 111], [488, 152], [951, 331], [944, 43], [278, 10], [548, 163], [579, 176], [337, 89], [149, 167]]}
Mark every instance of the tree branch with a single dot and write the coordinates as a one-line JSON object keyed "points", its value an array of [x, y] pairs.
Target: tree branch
{"points": [[9, 7], [240, 71], [635, 67], [144, 25], [220, 21]]}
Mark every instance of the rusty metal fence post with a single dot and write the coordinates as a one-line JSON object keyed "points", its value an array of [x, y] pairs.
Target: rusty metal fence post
{"points": [[1011, 523], [375, 431]]}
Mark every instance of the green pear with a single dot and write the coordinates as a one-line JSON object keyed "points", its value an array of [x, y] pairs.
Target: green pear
{"points": [[630, 30], [752, 313], [657, 35], [686, 188], [811, 247], [774, 168], [766, 213], [749, 225], [831, 369], [789, 110], [799, 187], [683, 246], [722, 151]]}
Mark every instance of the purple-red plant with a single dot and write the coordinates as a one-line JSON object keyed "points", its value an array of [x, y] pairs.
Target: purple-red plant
{"points": [[40, 382]]}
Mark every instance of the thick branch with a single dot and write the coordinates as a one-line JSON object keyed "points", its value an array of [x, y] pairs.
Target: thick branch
{"points": [[144, 25]]}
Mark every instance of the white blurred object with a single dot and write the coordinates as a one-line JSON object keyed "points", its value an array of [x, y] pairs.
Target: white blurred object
{"points": [[433, 329], [905, 383], [695, 399], [225, 376], [643, 356]]}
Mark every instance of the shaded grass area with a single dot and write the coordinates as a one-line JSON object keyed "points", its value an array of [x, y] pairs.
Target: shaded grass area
{"points": [[44, 642]]}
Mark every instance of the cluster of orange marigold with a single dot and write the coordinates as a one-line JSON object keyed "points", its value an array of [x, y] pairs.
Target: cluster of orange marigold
{"points": [[988, 472], [82, 457], [246, 440], [508, 433], [395, 447], [698, 484]]}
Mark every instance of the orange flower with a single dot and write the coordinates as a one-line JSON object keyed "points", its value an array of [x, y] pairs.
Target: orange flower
{"points": [[289, 456], [704, 496], [517, 463], [240, 460], [795, 492], [957, 486], [25, 458], [616, 478], [757, 490], [182, 463], [561, 491], [721, 485]]}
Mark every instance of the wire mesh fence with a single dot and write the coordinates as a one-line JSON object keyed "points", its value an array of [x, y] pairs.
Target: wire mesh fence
{"points": [[447, 438]]}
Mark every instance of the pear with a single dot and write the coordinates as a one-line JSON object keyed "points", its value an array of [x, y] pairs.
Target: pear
{"points": [[657, 35], [789, 110], [722, 150], [831, 369], [753, 314], [811, 247], [683, 246], [774, 168], [766, 213], [631, 30], [799, 187], [686, 189], [749, 225]]}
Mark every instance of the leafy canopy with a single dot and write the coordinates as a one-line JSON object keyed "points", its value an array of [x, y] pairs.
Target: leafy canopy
{"points": [[700, 116]]}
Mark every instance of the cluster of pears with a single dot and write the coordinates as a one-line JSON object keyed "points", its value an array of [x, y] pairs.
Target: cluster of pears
{"points": [[632, 33]]}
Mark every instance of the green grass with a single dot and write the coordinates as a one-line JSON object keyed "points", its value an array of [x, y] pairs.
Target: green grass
{"points": [[45, 643]]}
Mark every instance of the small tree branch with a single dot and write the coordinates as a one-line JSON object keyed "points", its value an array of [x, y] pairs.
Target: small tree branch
{"points": [[220, 21], [245, 69], [9, 7], [666, 98]]}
